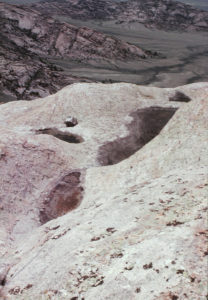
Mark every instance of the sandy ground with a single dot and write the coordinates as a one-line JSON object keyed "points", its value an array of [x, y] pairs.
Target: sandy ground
{"points": [[202, 4]]}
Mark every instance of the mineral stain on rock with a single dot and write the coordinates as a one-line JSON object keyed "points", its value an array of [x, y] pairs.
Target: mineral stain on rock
{"points": [[65, 196]]}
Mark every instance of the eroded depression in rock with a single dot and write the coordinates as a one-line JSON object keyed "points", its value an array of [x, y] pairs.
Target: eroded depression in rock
{"points": [[180, 97], [61, 135], [65, 196], [147, 123]]}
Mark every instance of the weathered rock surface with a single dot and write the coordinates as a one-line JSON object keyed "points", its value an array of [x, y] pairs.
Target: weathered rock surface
{"points": [[161, 14], [28, 38], [73, 229]]}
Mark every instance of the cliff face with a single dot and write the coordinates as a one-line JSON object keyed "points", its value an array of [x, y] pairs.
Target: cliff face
{"points": [[161, 14], [103, 194], [29, 38]]}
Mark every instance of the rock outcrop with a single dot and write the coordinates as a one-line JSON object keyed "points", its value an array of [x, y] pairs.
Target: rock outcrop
{"points": [[75, 227], [161, 14], [28, 39], [25, 75], [31, 30]]}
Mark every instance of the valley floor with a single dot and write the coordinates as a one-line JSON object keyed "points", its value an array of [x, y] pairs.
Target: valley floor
{"points": [[184, 56]]}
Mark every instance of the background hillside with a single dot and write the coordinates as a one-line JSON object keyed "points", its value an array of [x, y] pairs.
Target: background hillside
{"points": [[202, 4]]}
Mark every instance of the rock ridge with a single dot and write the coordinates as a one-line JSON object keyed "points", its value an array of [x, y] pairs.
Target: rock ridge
{"points": [[160, 14]]}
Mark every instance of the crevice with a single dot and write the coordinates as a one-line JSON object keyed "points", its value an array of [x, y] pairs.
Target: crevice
{"points": [[4, 269], [61, 135], [147, 123], [3, 281], [65, 196]]}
